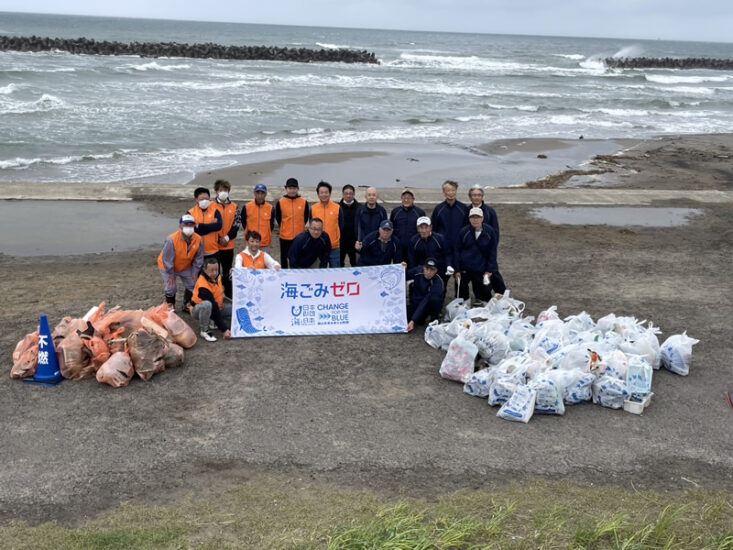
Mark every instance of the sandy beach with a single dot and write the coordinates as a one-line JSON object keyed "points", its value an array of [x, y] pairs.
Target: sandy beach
{"points": [[372, 411]]}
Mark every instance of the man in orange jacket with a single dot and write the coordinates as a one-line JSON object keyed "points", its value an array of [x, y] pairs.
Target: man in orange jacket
{"points": [[292, 214], [229, 228], [208, 221], [333, 220], [182, 256]]}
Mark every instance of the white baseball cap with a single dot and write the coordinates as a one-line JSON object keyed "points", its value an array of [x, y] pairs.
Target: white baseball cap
{"points": [[424, 220]]}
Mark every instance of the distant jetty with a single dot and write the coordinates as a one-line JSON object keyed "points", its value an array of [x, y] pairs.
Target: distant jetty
{"points": [[174, 49], [669, 63]]}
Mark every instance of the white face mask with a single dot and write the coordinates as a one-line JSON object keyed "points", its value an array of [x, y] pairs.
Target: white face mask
{"points": [[204, 204], [223, 196], [187, 230]]}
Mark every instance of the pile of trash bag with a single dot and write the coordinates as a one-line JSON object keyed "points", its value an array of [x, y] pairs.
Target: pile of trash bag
{"points": [[530, 366], [111, 346]]}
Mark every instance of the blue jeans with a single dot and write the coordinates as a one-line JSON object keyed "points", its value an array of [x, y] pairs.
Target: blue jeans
{"points": [[334, 259]]}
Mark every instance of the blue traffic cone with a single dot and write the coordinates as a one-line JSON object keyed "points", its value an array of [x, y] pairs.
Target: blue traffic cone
{"points": [[47, 371]]}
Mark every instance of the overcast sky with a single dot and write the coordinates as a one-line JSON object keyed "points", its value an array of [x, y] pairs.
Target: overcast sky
{"points": [[705, 20]]}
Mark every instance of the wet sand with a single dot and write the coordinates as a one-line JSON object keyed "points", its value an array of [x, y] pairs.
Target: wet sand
{"points": [[372, 411]]}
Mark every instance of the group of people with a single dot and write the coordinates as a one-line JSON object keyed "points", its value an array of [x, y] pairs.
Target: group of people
{"points": [[460, 241]]}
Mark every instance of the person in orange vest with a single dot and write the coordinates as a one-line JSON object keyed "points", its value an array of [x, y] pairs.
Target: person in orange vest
{"points": [[253, 257], [333, 220], [229, 228], [258, 215], [207, 302], [292, 213], [208, 221], [182, 256]]}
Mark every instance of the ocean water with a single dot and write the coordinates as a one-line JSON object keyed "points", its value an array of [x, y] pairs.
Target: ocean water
{"points": [[69, 118]]}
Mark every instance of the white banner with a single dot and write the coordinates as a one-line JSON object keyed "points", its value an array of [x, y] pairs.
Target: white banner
{"points": [[362, 300]]}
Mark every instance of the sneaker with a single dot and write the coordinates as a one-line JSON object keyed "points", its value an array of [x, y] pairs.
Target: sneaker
{"points": [[212, 325], [208, 337]]}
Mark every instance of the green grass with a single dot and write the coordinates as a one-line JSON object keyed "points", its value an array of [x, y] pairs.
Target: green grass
{"points": [[283, 513]]}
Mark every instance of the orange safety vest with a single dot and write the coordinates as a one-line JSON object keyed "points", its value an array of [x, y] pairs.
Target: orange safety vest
{"points": [[330, 216], [228, 211], [216, 289], [211, 241], [258, 219], [185, 251], [292, 221], [254, 263]]}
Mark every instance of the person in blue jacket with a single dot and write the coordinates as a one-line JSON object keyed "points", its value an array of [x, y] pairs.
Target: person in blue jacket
{"points": [[427, 293], [428, 244], [476, 256], [476, 196], [369, 215], [310, 245], [450, 216], [380, 247], [404, 218]]}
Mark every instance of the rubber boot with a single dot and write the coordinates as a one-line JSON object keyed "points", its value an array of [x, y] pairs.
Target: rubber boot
{"points": [[187, 295], [171, 301]]}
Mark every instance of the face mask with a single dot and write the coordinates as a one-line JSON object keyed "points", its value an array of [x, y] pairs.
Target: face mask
{"points": [[188, 231], [204, 204], [223, 196]]}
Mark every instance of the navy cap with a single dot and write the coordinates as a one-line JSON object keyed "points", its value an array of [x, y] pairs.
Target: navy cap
{"points": [[386, 224], [431, 263], [292, 182], [261, 187]]}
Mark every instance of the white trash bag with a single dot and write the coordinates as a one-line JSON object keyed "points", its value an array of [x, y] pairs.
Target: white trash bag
{"points": [[549, 395], [638, 376], [676, 353], [456, 309], [436, 335], [479, 384], [576, 384], [520, 406], [459, 362], [646, 343], [509, 374], [610, 392]]}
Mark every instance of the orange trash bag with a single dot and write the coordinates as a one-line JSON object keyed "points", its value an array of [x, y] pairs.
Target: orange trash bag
{"points": [[126, 319], [66, 326], [173, 356], [147, 352], [74, 358], [117, 371], [25, 357], [179, 331]]}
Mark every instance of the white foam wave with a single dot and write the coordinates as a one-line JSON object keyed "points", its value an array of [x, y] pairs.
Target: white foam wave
{"points": [[575, 56], [692, 90], [469, 63], [308, 131], [19, 163], [46, 102], [332, 46], [155, 66], [629, 51], [669, 79], [593, 63], [9, 89]]}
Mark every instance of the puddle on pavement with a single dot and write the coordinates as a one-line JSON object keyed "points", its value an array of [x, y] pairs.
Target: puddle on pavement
{"points": [[622, 216], [39, 228]]}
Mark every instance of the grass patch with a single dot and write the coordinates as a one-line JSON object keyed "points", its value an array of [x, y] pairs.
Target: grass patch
{"points": [[272, 512]]}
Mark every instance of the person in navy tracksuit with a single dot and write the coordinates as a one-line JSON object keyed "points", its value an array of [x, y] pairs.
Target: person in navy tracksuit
{"points": [[369, 215], [404, 218], [449, 217], [426, 295], [379, 247], [476, 196], [476, 257], [428, 244]]}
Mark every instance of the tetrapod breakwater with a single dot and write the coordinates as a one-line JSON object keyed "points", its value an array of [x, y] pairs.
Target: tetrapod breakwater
{"points": [[669, 63], [207, 50]]}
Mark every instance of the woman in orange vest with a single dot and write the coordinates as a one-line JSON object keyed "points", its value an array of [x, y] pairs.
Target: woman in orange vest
{"points": [[253, 257], [333, 220], [207, 302], [208, 220], [182, 256], [292, 213]]}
